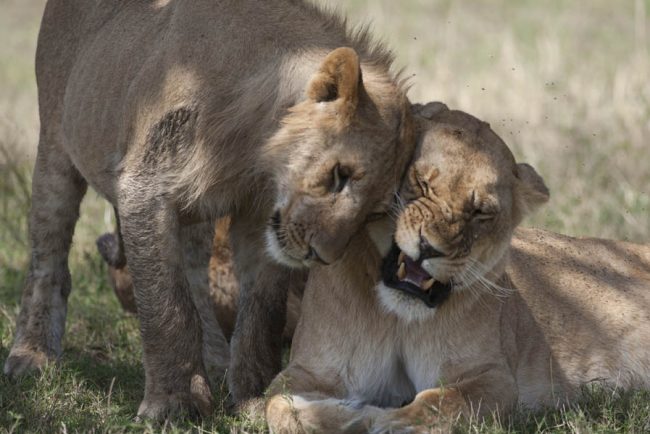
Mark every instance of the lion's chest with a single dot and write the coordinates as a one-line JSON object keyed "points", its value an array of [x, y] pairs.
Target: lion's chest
{"points": [[392, 368]]}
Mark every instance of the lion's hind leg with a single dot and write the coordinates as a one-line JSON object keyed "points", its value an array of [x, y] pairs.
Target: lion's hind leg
{"points": [[57, 191]]}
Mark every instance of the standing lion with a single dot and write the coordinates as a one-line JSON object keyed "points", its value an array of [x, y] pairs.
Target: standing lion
{"points": [[181, 112]]}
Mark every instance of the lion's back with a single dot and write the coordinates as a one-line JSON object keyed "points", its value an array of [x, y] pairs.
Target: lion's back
{"points": [[109, 73], [588, 269], [591, 299]]}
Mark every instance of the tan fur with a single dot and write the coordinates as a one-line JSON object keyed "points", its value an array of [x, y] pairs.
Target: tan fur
{"points": [[182, 112], [559, 312]]}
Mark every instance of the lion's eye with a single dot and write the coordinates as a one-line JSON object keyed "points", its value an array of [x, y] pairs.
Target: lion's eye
{"points": [[424, 186], [416, 184], [340, 178], [482, 216]]}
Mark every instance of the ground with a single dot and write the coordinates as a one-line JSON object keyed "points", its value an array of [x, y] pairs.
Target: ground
{"points": [[564, 82]]}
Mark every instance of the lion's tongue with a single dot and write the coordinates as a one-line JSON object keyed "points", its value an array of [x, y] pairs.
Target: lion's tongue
{"points": [[414, 274]]}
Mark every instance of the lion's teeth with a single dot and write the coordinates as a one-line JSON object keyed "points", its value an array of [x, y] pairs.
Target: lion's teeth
{"points": [[401, 257], [401, 272], [427, 284]]}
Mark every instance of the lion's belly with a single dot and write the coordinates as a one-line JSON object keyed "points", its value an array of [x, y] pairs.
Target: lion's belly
{"points": [[590, 302]]}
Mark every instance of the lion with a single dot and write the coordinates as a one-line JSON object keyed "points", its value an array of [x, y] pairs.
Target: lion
{"points": [[178, 113], [449, 318]]}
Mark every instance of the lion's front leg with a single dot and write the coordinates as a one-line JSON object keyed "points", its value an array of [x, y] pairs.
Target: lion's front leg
{"points": [[257, 340], [197, 244], [302, 401], [435, 410], [175, 376], [256, 344]]}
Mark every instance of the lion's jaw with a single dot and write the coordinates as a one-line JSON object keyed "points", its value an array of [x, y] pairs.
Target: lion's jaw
{"points": [[465, 195]]}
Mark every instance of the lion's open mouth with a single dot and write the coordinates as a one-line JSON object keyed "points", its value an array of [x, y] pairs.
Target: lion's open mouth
{"points": [[402, 273]]}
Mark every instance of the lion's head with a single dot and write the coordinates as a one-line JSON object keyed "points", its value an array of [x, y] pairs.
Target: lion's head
{"points": [[349, 142], [463, 196]]}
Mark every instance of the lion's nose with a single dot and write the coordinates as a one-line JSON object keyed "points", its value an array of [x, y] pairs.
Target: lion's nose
{"points": [[326, 247], [312, 255], [427, 251]]}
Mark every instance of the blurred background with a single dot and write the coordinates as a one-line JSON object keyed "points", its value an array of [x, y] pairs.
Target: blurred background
{"points": [[566, 83]]}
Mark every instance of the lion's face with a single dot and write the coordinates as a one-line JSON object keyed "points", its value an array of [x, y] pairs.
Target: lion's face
{"points": [[464, 196], [349, 145]]}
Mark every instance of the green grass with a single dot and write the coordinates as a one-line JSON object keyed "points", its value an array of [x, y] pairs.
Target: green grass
{"points": [[600, 411], [564, 82]]}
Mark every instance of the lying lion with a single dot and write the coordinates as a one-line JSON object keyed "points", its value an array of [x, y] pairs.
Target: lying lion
{"points": [[454, 319]]}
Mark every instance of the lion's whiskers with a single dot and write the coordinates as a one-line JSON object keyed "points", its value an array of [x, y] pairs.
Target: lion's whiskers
{"points": [[396, 207], [477, 272]]}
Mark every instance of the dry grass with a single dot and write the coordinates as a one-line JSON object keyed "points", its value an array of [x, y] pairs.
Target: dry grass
{"points": [[564, 82]]}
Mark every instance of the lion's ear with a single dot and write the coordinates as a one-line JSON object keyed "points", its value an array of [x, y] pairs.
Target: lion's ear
{"points": [[338, 79], [531, 191]]}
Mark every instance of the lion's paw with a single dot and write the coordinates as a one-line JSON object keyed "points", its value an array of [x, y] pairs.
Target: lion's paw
{"points": [[280, 415], [160, 406], [393, 427], [24, 360], [381, 421]]}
